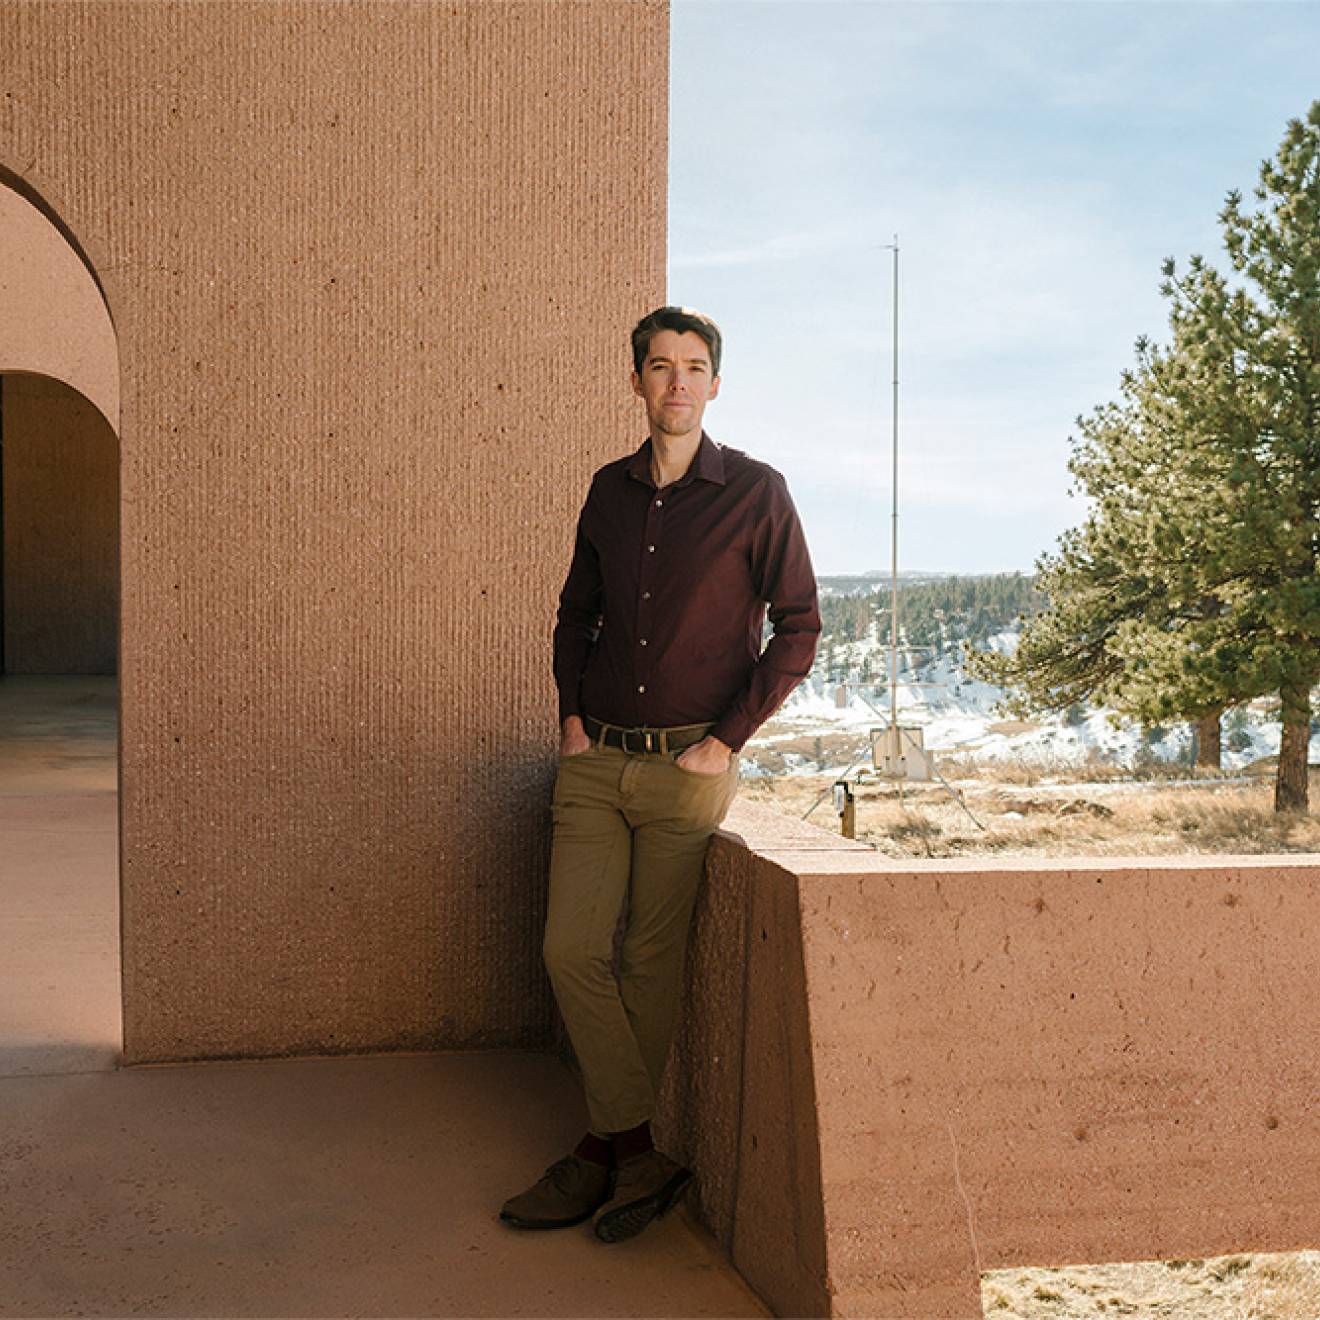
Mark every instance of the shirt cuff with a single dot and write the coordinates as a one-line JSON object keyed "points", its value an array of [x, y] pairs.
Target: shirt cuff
{"points": [[732, 731]]}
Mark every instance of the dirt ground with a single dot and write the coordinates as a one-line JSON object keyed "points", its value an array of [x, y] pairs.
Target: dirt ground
{"points": [[1283, 1286], [1054, 814]]}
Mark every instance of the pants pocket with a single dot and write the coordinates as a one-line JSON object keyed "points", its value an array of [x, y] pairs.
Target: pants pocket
{"points": [[706, 798]]}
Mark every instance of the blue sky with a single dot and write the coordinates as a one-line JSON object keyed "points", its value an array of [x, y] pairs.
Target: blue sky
{"points": [[1037, 161]]}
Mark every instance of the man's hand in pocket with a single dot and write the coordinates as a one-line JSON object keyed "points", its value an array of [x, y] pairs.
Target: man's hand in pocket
{"points": [[573, 737], [708, 757]]}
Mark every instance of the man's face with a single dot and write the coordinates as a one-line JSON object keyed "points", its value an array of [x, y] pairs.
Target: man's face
{"points": [[676, 382]]}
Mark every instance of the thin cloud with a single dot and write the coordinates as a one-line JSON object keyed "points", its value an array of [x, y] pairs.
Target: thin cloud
{"points": [[792, 246]]}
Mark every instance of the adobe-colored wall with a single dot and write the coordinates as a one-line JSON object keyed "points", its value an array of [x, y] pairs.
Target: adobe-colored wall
{"points": [[739, 1103], [61, 530], [1009, 1063], [55, 320], [372, 269]]}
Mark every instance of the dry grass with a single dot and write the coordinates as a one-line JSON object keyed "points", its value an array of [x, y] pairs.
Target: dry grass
{"points": [[1241, 1287], [1206, 814], [1095, 770]]}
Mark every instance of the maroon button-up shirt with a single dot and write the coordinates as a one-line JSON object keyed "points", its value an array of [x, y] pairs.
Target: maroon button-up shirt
{"points": [[661, 618]]}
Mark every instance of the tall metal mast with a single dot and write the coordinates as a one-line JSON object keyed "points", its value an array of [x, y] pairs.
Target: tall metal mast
{"points": [[893, 540], [894, 757]]}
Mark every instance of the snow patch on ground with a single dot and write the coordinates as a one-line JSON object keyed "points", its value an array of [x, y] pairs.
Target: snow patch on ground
{"points": [[957, 715]]}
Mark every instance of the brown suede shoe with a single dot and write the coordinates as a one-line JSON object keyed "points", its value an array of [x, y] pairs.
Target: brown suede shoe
{"points": [[645, 1186], [569, 1191]]}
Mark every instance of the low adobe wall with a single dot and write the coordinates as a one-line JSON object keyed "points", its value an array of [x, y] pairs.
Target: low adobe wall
{"points": [[895, 1076]]}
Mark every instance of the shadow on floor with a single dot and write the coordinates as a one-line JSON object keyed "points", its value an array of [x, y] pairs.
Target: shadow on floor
{"points": [[318, 1187], [362, 1186]]}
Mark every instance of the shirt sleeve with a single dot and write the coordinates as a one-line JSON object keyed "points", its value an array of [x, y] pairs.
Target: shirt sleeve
{"points": [[577, 624], [783, 576]]}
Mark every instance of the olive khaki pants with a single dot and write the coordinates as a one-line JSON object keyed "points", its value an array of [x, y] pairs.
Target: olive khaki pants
{"points": [[629, 829]]}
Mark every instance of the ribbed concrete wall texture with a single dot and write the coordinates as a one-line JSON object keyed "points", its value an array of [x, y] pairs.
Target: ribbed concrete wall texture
{"points": [[372, 269], [59, 510]]}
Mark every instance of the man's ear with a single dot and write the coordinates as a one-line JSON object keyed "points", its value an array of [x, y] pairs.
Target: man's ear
{"points": [[714, 387], [637, 385]]}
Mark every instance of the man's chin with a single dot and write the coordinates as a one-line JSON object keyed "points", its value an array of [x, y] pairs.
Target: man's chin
{"points": [[684, 424]]}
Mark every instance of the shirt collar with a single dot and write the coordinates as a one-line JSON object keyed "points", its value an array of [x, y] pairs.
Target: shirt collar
{"points": [[708, 463]]}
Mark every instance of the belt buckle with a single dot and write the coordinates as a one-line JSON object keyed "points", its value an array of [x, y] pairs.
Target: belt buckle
{"points": [[645, 737]]}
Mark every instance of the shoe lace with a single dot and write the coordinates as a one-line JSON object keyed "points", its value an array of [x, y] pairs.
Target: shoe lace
{"points": [[557, 1174]]}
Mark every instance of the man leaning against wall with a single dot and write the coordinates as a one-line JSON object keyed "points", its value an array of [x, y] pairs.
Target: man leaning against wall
{"points": [[662, 678]]}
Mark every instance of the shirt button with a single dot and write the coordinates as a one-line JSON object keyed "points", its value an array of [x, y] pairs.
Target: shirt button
{"points": [[641, 641], [650, 549], [641, 687], [646, 595], [659, 504]]}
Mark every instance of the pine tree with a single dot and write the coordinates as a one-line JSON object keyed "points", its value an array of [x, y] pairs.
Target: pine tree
{"points": [[1247, 393], [1194, 584]]}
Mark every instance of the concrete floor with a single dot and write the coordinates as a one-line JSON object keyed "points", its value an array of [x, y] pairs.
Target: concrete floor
{"points": [[311, 1187]]}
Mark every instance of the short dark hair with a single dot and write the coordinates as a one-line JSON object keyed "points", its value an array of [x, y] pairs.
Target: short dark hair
{"points": [[681, 319]]}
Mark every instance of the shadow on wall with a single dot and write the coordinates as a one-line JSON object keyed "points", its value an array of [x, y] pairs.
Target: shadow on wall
{"points": [[59, 531]]}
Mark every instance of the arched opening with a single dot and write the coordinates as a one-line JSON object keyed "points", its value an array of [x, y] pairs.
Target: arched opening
{"points": [[59, 553], [59, 616]]}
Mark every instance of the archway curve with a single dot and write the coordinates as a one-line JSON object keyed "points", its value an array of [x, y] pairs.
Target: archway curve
{"points": [[60, 375], [57, 321]]}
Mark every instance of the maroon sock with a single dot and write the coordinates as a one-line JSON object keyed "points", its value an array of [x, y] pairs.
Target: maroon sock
{"points": [[596, 1149], [635, 1141]]}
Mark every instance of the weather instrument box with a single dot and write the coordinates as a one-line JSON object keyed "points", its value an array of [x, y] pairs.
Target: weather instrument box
{"points": [[900, 753]]}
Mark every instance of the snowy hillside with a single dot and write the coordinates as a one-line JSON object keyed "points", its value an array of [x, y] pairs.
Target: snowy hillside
{"points": [[958, 717]]}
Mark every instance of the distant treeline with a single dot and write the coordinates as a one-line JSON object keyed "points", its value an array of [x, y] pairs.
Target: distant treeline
{"points": [[939, 614]]}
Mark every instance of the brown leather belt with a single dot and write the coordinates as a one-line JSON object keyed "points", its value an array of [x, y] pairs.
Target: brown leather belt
{"points": [[640, 741]]}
